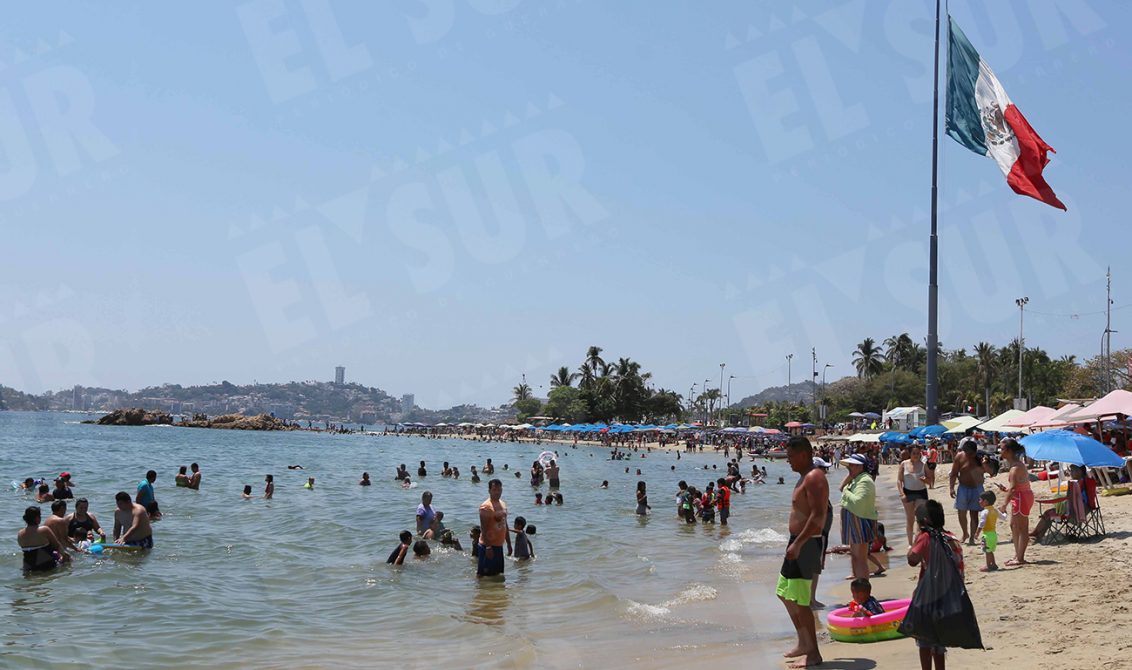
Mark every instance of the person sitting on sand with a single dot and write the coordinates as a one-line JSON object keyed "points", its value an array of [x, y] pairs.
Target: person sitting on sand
{"points": [[182, 477], [397, 556], [365, 480]]}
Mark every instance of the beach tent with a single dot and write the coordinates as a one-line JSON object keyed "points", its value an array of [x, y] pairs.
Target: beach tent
{"points": [[961, 424], [1033, 415], [1067, 446], [865, 437], [1001, 423], [1119, 402], [1060, 418]]}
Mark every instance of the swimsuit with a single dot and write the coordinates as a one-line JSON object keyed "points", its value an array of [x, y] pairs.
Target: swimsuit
{"points": [[78, 528], [40, 558], [913, 488], [967, 498], [796, 575], [145, 543], [1022, 501], [489, 567]]}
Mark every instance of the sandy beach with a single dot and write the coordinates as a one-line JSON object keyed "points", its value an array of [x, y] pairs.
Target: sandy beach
{"points": [[1069, 609]]}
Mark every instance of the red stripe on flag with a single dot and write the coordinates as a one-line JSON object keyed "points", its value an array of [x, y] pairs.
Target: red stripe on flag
{"points": [[1026, 174]]}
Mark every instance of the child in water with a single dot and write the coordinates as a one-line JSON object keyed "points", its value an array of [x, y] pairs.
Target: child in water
{"points": [[522, 548], [421, 549], [397, 557], [538, 498], [309, 484], [474, 534], [247, 494]]}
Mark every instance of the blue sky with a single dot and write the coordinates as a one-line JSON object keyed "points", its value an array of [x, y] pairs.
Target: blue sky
{"points": [[443, 196]]}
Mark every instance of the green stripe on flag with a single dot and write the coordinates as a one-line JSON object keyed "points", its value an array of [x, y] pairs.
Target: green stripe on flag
{"points": [[962, 115]]}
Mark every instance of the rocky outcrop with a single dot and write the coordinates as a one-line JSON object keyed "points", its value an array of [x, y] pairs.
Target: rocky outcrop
{"points": [[239, 422], [135, 416]]}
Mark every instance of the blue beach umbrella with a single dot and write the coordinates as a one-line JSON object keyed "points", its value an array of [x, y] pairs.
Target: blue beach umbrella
{"points": [[932, 431], [1066, 446]]}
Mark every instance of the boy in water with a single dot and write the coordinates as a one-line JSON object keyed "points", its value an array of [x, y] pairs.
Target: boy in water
{"points": [[538, 498], [474, 534], [864, 604], [421, 549], [523, 549], [397, 557], [988, 529]]}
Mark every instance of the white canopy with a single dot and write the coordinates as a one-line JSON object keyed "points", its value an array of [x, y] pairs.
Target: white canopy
{"points": [[864, 437], [1001, 423], [961, 424]]}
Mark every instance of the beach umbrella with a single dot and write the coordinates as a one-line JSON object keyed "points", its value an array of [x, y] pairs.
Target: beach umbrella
{"points": [[932, 431], [872, 415], [794, 424], [1066, 446]]}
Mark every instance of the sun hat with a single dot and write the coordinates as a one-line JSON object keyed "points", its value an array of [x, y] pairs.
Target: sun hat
{"points": [[855, 459], [820, 462]]}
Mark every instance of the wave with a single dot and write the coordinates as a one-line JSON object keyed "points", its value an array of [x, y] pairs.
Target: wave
{"points": [[693, 593], [752, 536]]}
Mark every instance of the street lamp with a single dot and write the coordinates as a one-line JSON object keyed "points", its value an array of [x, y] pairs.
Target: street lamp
{"points": [[721, 366], [1021, 302], [729, 391], [789, 360], [692, 397], [823, 411], [706, 401]]}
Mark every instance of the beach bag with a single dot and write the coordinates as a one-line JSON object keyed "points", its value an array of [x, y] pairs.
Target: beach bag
{"points": [[941, 612]]}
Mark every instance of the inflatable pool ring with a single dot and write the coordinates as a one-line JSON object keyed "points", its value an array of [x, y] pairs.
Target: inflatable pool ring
{"points": [[546, 457], [844, 627]]}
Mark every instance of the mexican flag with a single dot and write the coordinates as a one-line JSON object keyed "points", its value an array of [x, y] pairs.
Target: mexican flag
{"points": [[981, 117]]}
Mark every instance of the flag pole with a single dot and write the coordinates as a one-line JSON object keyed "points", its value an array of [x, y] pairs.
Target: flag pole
{"points": [[932, 384]]}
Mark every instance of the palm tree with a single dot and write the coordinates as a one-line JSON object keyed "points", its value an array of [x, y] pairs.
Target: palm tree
{"points": [[867, 359], [898, 351], [563, 377], [594, 359], [521, 392], [985, 354]]}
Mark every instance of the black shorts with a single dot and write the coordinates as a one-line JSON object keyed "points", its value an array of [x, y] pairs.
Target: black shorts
{"points": [[913, 494], [931, 466], [808, 562]]}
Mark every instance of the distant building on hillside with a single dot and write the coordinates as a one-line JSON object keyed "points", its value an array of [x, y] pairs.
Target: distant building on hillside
{"points": [[408, 402], [339, 375]]}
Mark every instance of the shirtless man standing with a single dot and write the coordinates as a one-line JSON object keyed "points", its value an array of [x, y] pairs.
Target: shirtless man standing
{"points": [[194, 479], [969, 473], [493, 532], [57, 522], [809, 505], [131, 523]]}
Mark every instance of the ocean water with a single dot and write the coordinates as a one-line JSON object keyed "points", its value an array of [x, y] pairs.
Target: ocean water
{"points": [[301, 580]]}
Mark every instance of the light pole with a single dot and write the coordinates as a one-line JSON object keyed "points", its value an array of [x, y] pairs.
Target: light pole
{"points": [[691, 397], [1021, 302], [827, 366], [706, 401], [814, 383], [729, 391], [789, 360], [721, 366]]}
